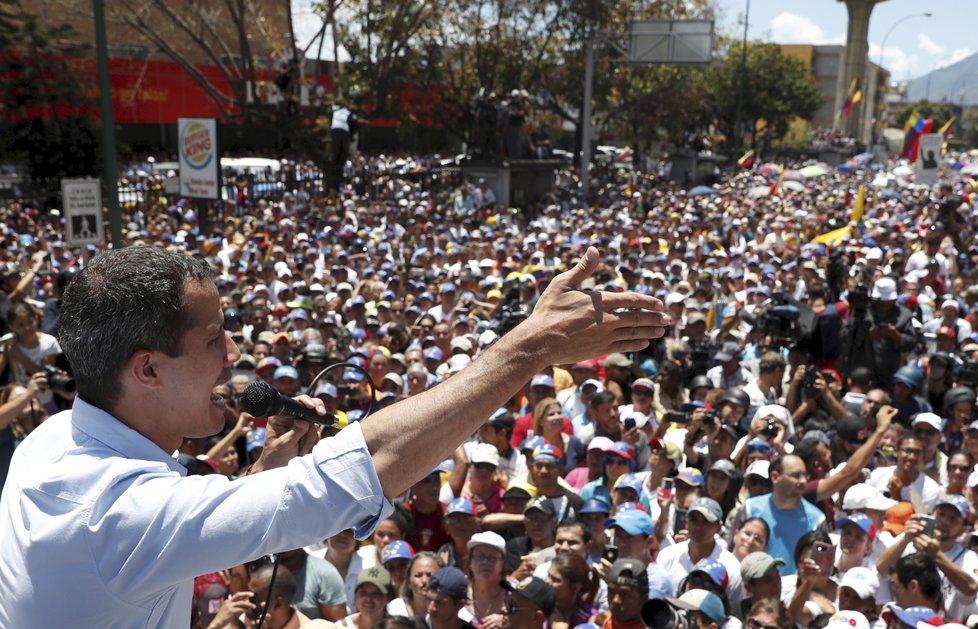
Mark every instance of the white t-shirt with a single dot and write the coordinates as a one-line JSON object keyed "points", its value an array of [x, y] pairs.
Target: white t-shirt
{"points": [[924, 490], [677, 564]]}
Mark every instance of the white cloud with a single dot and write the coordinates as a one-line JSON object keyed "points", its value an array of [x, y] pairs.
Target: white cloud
{"points": [[896, 61], [954, 57], [929, 46], [791, 28]]}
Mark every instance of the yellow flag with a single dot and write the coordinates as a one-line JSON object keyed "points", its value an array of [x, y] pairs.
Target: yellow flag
{"points": [[833, 237], [860, 205], [947, 126]]}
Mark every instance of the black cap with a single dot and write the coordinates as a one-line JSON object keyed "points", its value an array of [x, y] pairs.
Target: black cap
{"points": [[631, 572], [535, 590], [853, 429]]}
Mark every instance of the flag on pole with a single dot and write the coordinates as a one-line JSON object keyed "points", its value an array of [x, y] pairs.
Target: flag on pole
{"points": [[859, 206], [855, 95], [747, 160], [915, 127], [833, 237]]}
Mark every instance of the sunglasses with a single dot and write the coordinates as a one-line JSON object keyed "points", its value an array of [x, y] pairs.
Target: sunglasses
{"points": [[756, 624]]}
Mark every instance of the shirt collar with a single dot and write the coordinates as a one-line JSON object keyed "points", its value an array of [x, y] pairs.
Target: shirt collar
{"points": [[106, 429]]}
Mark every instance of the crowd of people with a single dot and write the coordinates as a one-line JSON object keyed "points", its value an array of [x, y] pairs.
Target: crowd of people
{"points": [[799, 449]]}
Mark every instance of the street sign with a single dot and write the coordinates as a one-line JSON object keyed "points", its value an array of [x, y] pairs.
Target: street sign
{"points": [[671, 41], [199, 161], [82, 206]]}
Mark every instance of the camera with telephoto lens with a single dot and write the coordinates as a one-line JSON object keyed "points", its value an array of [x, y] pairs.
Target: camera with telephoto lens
{"points": [[771, 430], [661, 614], [809, 382], [58, 379]]}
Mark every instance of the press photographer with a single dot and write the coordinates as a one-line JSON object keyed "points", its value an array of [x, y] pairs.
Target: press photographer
{"points": [[878, 333]]}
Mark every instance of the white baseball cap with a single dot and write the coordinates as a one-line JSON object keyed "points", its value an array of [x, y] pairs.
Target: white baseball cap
{"points": [[484, 453], [863, 581], [864, 496]]}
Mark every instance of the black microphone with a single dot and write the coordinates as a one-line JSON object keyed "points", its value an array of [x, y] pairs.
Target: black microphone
{"points": [[261, 400]]}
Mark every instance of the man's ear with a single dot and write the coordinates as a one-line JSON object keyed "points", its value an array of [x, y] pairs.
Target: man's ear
{"points": [[141, 369]]}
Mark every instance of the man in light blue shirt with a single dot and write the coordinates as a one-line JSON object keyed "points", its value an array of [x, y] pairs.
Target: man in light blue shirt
{"points": [[100, 525]]}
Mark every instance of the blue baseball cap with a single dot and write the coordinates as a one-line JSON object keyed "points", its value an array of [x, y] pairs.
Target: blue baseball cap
{"points": [[861, 520], [958, 502], [758, 445], [690, 476], [450, 582], [460, 505], [594, 505], [542, 380], [398, 549], [353, 374], [633, 522], [548, 453], [714, 570], [911, 615], [285, 371], [328, 389], [256, 439], [629, 481], [433, 353], [703, 601], [532, 443]]}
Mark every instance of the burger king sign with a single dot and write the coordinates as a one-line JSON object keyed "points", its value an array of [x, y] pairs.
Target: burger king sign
{"points": [[197, 139]]}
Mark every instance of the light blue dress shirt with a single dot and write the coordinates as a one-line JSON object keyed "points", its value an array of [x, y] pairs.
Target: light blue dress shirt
{"points": [[102, 528]]}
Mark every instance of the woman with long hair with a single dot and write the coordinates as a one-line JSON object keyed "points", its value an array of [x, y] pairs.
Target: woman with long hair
{"points": [[809, 584], [619, 459], [411, 600], [752, 536], [575, 587], [960, 464], [548, 422], [487, 563], [768, 612]]}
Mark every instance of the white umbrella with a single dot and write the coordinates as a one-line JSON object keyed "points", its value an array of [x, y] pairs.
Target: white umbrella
{"points": [[759, 191], [797, 186], [903, 171]]}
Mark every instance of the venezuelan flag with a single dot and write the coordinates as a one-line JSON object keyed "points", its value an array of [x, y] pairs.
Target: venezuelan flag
{"points": [[855, 95], [747, 160], [911, 141]]}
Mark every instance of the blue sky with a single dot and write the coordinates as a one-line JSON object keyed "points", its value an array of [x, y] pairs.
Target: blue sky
{"points": [[914, 47]]}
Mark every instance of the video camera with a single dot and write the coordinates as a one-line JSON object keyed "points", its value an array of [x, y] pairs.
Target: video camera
{"points": [[511, 310], [779, 322], [709, 417], [966, 374]]}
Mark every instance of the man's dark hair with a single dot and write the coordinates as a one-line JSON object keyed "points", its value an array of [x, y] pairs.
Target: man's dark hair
{"points": [[571, 522], [907, 436], [770, 362], [601, 397], [806, 449], [777, 463], [284, 584], [403, 520], [861, 377], [919, 566], [125, 300]]}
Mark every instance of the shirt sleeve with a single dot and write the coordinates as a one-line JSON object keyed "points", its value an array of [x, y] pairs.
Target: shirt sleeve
{"points": [[153, 530]]}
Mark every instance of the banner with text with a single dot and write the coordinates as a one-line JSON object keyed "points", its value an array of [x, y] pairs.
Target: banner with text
{"points": [[199, 161], [82, 205]]}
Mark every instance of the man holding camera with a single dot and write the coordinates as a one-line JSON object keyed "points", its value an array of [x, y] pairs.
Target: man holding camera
{"points": [[937, 536]]}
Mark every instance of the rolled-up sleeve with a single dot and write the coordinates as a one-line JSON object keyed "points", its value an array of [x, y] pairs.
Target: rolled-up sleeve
{"points": [[150, 531]]}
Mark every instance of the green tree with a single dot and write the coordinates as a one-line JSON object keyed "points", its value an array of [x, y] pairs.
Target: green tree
{"points": [[46, 121], [776, 90]]}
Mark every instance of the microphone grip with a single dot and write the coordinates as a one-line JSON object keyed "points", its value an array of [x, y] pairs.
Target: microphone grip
{"points": [[294, 409]]}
